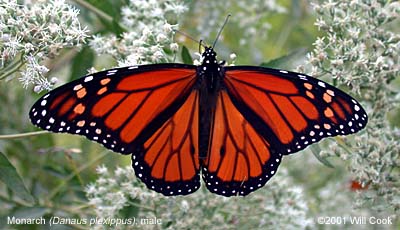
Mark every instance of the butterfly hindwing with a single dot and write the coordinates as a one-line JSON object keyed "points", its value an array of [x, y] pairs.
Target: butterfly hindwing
{"points": [[168, 162], [292, 110], [118, 106], [240, 160]]}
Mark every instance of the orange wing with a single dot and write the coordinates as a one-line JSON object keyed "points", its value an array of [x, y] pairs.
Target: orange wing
{"points": [[292, 110], [168, 161], [240, 160], [119, 108]]}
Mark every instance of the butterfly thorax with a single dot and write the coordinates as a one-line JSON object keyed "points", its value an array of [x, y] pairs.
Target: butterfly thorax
{"points": [[210, 70]]}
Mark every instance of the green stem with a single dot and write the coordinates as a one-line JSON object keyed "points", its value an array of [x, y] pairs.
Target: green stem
{"points": [[14, 68], [20, 135], [72, 175]]}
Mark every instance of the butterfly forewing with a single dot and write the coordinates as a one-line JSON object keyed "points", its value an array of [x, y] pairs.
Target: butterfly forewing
{"points": [[292, 110], [115, 107]]}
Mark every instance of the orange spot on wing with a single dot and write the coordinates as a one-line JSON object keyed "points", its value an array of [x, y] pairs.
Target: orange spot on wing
{"points": [[102, 90], [327, 98], [327, 126], [308, 86], [105, 81], [328, 112], [309, 94], [81, 93], [79, 108]]}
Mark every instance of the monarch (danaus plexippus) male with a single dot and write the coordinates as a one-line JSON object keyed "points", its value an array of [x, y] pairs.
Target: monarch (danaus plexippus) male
{"points": [[231, 124]]}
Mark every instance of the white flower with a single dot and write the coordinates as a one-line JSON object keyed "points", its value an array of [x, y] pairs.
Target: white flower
{"points": [[37, 32], [102, 170], [174, 46]]}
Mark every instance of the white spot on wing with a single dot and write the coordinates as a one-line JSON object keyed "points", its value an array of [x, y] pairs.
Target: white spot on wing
{"points": [[88, 78], [302, 77]]}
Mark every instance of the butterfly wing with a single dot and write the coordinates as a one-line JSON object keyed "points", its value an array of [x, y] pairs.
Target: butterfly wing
{"points": [[150, 111], [168, 162], [240, 160], [119, 108], [292, 110]]}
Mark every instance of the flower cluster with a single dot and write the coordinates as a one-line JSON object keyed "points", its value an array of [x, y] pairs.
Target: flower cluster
{"points": [[150, 33], [32, 33], [361, 51], [279, 204]]}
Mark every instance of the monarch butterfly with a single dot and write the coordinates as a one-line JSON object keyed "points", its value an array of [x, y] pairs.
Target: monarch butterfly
{"points": [[231, 124]]}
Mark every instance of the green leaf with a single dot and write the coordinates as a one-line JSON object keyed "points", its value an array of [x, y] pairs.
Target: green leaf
{"points": [[289, 61], [10, 177], [315, 149], [186, 58], [81, 63]]}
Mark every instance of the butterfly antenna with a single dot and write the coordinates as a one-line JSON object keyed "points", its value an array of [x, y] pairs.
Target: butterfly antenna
{"points": [[220, 30], [190, 37]]}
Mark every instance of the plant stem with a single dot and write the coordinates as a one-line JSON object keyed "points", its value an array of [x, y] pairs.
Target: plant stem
{"points": [[20, 135], [14, 68]]}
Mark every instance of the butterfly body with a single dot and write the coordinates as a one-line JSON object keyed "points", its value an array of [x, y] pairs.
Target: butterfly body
{"points": [[210, 78], [231, 125]]}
